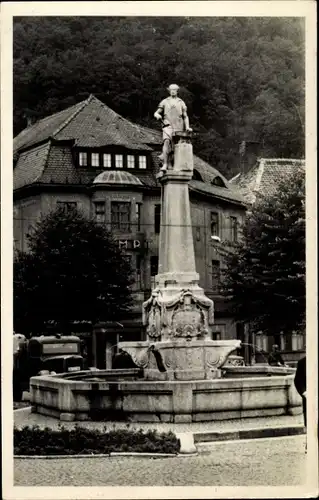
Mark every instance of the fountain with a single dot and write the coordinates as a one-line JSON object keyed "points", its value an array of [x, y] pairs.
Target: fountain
{"points": [[178, 316], [182, 367]]}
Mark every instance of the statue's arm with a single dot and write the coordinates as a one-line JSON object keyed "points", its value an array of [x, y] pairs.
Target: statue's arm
{"points": [[185, 118], [159, 112]]}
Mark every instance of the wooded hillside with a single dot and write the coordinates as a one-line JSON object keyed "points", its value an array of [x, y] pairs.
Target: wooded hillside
{"points": [[242, 78]]}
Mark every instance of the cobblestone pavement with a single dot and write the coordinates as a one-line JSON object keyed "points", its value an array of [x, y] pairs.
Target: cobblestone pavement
{"points": [[24, 417], [265, 462]]}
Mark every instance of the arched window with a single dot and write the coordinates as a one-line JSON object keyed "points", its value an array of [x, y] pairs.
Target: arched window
{"points": [[218, 181], [197, 176]]}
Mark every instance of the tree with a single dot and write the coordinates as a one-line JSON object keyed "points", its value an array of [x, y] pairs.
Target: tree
{"points": [[265, 275], [73, 271], [242, 78]]}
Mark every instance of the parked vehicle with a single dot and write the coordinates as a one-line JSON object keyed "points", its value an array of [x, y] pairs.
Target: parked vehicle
{"points": [[44, 354]]}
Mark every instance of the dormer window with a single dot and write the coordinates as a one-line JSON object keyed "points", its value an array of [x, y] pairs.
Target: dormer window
{"points": [[95, 160], [83, 159], [142, 161], [218, 181], [197, 176], [107, 160], [118, 161], [130, 161], [112, 160]]}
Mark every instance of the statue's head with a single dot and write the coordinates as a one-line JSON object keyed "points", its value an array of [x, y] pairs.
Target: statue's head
{"points": [[173, 89]]}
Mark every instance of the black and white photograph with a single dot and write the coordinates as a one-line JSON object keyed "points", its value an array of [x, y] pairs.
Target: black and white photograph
{"points": [[159, 207]]}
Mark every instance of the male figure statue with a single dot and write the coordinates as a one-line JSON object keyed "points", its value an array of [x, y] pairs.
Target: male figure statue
{"points": [[172, 112]]}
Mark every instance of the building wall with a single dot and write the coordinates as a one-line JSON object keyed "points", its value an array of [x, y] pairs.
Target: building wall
{"points": [[146, 239], [26, 213]]}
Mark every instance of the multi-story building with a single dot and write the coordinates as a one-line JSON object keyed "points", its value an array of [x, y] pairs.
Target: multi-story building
{"points": [[89, 157]]}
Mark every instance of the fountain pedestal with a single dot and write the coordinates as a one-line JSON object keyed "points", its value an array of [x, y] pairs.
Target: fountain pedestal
{"points": [[178, 316]]}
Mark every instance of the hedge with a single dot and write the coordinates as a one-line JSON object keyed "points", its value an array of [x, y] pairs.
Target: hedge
{"points": [[82, 441]]}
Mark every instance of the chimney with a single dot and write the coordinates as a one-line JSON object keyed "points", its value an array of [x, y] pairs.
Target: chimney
{"points": [[249, 152]]}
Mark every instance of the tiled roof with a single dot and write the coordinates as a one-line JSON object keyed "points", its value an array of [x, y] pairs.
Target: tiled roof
{"points": [[91, 124], [228, 194], [45, 128], [208, 172], [60, 168], [30, 166], [263, 178]]}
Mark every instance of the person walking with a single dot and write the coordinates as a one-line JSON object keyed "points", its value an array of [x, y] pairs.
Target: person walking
{"points": [[301, 386]]}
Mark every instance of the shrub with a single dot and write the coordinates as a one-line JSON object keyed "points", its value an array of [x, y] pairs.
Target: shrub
{"points": [[79, 440]]}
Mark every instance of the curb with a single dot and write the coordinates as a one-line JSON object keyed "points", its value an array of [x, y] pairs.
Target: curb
{"points": [[105, 455], [257, 433], [25, 408]]}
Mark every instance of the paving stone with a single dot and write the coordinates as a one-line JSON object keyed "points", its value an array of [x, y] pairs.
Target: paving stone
{"points": [[271, 462]]}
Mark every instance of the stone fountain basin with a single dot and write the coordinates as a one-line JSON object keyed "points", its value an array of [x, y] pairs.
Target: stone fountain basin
{"points": [[95, 395], [181, 359]]}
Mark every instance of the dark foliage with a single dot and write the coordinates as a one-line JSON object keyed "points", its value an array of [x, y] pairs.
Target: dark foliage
{"points": [[242, 78], [82, 441], [265, 275], [74, 271]]}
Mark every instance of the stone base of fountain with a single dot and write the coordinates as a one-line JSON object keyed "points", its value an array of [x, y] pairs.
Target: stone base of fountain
{"points": [[100, 395], [180, 359]]}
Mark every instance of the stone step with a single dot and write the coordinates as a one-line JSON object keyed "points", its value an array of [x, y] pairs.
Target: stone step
{"points": [[252, 433]]}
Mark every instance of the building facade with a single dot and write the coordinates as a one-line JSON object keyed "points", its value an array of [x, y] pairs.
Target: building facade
{"points": [[90, 158]]}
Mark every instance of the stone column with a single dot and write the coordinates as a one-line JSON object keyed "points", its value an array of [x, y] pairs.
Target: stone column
{"points": [[178, 307], [176, 246], [108, 355], [294, 341], [282, 341]]}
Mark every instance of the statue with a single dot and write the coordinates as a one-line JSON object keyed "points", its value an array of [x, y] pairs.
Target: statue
{"points": [[172, 112], [152, 314]]}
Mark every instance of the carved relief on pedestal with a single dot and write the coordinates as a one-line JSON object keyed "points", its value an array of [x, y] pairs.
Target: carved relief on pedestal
{"points": [[184, 315], [214, 359], [152, 316], [140, 357]]}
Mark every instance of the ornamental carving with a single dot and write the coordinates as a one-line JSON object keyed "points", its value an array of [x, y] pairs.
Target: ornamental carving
{"points": [[140, 358], [184, 315], [153, 314]]}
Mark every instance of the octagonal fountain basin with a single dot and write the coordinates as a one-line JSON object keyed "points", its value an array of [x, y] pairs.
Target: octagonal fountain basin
{"points": [[104, 395]]}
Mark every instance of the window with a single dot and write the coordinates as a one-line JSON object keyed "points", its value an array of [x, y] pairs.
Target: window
{"points": [[118, 161], [218, 181], [107, 160], [138, 216], [215, 275], [157, 218], [154, 269], [198, 233], [214, 224], [83, 159], [142, 161], [130, 161], [67, 206], [197, 176], [233, 229], [99, 211], [121, 216], [218, 331], [95, 160]]}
